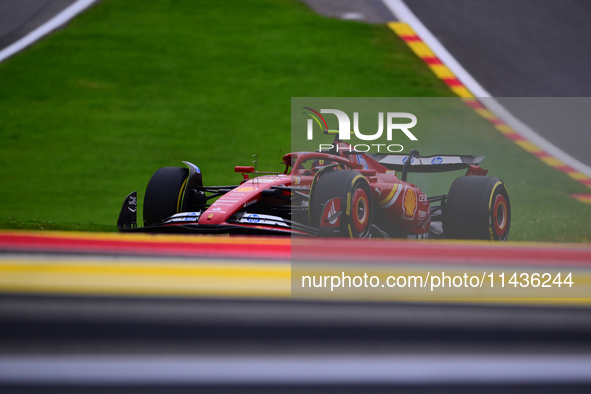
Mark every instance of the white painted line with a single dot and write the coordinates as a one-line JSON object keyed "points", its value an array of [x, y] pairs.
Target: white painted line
{"points": [[528, 133], [308, 369], [355, 16], [404, 14], [57, 21]]}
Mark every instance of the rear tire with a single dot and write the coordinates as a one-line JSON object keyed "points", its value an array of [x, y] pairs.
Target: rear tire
{"points": [[356, 206], [477, 207], [164, 194]]}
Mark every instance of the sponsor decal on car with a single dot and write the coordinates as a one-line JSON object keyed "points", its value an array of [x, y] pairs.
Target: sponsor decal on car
{"points": [[412, 159], [262, 179], [254, 218], [418, 236], [362, 162], [409, 204], [132, 206], [249, 203], [246, 189], [391, 197], [270, 220], [226, 200], [189, 217], [330, 211], [437, 160], [184, 217]]}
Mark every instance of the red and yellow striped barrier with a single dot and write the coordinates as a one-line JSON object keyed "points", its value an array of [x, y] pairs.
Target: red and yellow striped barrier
{"points": [[141, 265], [202, 246], [422, 50]]}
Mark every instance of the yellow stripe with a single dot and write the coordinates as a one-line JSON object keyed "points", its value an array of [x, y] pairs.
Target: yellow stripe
{"points": [[402, 29], [152, 238], [528, 146], [586, 200], [385, 200], [141, 278], [159, 270], [505, 129], [178, 203], [578, 176], [462, 91], [421, 49], [485, 113], [442, 71], [227, 279], [552, 161], [469, 100], [348, 210]]}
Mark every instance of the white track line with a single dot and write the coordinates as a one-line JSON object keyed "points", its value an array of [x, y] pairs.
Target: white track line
{"points": [[404, 14], [299, 369], [57, 21]]}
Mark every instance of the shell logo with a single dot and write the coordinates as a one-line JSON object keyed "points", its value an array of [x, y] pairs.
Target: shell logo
{"points": [[409, 204], [246, 189]]}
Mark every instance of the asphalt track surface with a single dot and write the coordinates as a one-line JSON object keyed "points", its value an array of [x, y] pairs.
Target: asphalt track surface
{"points": [[526, 48], [368, 11], [19, 18], [531, 54]]}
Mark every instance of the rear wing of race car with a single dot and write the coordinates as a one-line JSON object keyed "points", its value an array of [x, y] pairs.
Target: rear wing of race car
{"points": [[435, 163], [414, 162]]}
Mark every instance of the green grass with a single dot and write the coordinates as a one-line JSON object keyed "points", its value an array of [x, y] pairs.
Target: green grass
{"points": [[44, 225], [89, 113]]}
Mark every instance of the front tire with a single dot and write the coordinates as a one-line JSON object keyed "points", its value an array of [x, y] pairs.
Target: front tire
{"points": [[477, 207], [164, 194], [356, 204]]}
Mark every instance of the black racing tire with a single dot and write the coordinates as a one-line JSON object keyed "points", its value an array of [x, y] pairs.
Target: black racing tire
{"points": [[477, 207], [164, 194], [356, 205]]}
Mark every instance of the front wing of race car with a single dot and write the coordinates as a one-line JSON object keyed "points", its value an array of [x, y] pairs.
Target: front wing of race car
{"points": [[188, 222]]}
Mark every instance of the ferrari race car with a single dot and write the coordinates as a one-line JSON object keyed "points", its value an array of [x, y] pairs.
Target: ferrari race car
{"points": [[331, 193]]}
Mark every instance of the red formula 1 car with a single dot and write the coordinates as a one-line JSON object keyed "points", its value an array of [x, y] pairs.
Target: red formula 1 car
{"points": [[329, 193]]}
